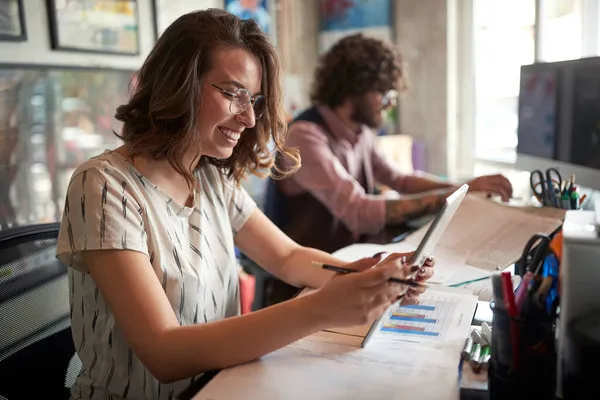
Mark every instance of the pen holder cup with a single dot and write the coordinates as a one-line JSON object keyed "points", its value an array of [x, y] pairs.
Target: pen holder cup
{"points": [[533, 374]]}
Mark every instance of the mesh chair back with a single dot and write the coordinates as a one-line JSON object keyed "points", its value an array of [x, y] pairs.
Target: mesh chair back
{"points": [[36, 346]]}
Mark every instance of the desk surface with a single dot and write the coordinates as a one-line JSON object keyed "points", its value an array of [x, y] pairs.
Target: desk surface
{"points": [[483, 313]]}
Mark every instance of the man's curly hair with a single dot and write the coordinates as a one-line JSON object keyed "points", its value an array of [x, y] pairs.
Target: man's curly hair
{"points": [[353, 66]]}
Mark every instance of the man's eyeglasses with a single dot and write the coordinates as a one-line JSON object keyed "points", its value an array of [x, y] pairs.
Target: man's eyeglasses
{"points": [[389, 99], [242, 98]]}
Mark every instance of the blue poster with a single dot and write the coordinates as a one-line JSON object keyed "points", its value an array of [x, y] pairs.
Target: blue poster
{"points": [[250, 9], [354, 14]]}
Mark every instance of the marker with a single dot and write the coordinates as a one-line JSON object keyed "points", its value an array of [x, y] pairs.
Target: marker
{"points": [[509, 304], [565, 200], [467, 349], [486, 331], [484, 359], [574, 200], [475, 357], [478, 337]]}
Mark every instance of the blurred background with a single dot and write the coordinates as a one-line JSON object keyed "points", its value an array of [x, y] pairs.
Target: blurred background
{"points": [[65, 65]]}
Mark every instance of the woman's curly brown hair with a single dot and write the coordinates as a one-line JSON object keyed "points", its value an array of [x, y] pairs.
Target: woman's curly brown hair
{"points": [[160, 119], [353, 66]]}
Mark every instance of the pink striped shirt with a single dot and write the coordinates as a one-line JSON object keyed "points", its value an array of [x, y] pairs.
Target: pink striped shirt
{"points": [[332, 171]]}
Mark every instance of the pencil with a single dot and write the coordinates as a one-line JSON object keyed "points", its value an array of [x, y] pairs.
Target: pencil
{"points": [[342, 270]]}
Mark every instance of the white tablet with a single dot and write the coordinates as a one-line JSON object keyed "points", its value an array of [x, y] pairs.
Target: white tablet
{"points": [[438, 226], [430, 240]]}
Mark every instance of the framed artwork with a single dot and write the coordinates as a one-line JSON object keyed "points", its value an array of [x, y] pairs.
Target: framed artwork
{"points": [[342, 18], [247, 9], [12, 21], [107, 26], [167, 11]]}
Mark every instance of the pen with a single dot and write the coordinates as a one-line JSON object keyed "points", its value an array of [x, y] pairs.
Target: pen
{"points": [[582, 200], [342, 270], [565, 200], [469, 281]]}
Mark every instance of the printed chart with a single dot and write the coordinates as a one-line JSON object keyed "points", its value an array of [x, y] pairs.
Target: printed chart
{"points": [[432, 317]]}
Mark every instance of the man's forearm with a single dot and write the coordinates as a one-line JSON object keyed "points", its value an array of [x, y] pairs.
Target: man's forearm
{"points": [[418, 184], [398, 211]]}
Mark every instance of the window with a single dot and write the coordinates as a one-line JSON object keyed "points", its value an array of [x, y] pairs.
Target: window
{"points": [[504, 38], [560, 30], [503, 41]]}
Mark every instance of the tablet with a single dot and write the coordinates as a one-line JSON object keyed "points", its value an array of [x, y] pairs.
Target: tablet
{"points": [[438, 226], [430, 240]]}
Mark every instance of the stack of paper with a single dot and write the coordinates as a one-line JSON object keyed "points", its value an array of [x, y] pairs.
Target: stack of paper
{"points": [[483, 236], [331, 366], [491, 235]]}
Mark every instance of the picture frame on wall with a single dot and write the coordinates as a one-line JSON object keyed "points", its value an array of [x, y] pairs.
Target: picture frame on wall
{"points": [[12, 21], [167, 11], [108, 26], [251, 9], [337, 20]]}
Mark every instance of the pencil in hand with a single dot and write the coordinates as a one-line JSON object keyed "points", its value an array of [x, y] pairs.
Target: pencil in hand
{"points": [[342, 270]]}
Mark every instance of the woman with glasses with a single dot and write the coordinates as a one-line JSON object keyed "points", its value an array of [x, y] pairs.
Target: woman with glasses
{"points": [[149, 229]]}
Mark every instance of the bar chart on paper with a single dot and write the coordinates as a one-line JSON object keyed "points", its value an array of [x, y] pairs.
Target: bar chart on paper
{"points": [[433, 317]]}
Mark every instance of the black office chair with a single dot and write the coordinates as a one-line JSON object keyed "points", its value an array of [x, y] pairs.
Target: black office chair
{"points": [[37, 354]]}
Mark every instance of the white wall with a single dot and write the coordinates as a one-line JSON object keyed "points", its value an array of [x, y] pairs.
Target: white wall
{"points": [[37, 48], [422, 38]]}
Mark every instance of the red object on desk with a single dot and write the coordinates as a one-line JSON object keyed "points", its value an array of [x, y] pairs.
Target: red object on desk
{"points": [[509, 300], [247, 288]]}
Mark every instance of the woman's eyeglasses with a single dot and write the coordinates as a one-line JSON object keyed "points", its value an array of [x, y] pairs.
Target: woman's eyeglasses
{"points": [[242, 98]]}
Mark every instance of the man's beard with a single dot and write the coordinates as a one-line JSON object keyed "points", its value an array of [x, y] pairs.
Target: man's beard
{"points": [[362, 115]]}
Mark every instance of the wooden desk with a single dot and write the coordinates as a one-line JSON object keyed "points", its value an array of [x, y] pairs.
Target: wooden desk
{"points": [[482, 314]]}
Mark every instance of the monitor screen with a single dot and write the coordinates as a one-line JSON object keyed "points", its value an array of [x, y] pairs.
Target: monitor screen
{"points": [[538, 111], [559, 112], [585, 126]]}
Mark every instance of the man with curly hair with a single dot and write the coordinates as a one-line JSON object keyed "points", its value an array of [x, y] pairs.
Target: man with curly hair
{"points": [[330, 202]]}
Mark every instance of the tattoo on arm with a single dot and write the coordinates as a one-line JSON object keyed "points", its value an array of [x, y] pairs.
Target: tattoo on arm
{"points": [[415, 206]]}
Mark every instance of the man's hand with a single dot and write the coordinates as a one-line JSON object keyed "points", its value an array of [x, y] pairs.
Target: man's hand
{"points": [[496, 184]]}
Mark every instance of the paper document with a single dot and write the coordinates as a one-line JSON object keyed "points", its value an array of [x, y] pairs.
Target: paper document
{"points": [[319, 367], [492, 236], [440, 315]]}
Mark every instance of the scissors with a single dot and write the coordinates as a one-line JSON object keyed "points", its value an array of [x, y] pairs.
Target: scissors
{"points": [[530, 264], [546, 186]]}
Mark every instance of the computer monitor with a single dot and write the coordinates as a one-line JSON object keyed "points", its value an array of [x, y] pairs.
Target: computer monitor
{"points": [[559, 119]]}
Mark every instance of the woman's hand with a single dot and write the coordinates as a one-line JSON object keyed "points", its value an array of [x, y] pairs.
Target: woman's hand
{"points": [[359, 298], [424, 273]]}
